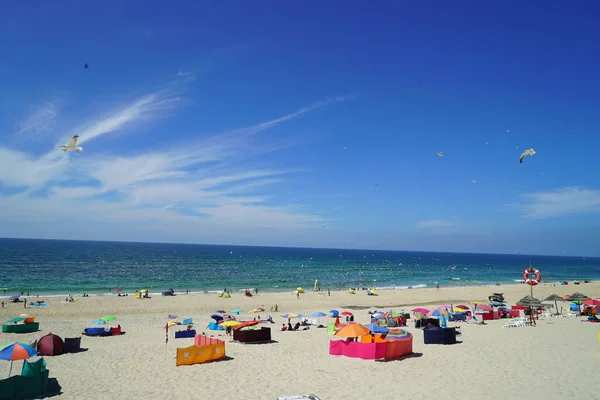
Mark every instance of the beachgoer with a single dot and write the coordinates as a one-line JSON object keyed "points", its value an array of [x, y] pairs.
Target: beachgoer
{"points": [[297, 294], [276, 308], [255, 290], [2, 304], [328, 292], [283, 327]]}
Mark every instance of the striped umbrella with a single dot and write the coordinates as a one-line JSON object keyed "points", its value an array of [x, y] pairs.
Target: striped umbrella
{"points": [[398, 334], [11, 351]]}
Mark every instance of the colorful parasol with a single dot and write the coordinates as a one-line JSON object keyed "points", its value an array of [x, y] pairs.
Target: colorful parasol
{"points": [[11, 351]]}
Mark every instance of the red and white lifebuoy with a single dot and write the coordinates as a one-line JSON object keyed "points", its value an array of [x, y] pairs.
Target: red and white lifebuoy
{"points": [[527, 276]]}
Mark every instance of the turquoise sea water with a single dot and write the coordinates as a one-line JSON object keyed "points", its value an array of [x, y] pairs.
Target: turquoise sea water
{"points": [[61, 267]]}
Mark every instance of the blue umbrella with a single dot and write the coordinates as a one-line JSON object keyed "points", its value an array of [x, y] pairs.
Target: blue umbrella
{"points": [[377, 329], [319, 314], [378, 315], [216, 317], [99, 322], [497, 304], [237, 311], [221, 311]]}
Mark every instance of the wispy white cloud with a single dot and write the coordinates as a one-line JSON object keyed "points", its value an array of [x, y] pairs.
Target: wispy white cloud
{"points": [[436, 223], [144, 107], [41, 120], [203, 184], [560, 202]]}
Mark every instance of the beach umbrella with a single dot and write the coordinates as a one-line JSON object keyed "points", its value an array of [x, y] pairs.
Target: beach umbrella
{"points": [[319, 314], [99, 322], [217, 317], [484, 307], [290, 315], [398, 334], [438, 312], [11, 351], [497, 304], [555, 298], [171, 316], [107, 318], [237, 311], [420, 310], [529, 301], [377, 329], [245, 324], [352, 331], [221, 311], [592, 302], [445, 307], [172, 323], [578, 296], [187, 321], [378, 315], [462, 307], [230, 323], [256, 310], [17, 319], [347, 313]]}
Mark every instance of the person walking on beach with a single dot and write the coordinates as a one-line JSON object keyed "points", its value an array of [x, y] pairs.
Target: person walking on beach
{"points": [[328, 292], [255, 291]]}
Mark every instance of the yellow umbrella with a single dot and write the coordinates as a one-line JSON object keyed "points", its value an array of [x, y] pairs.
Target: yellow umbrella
{"points": [[256, 310], [300, 290], [173, 323], [231, 323]]}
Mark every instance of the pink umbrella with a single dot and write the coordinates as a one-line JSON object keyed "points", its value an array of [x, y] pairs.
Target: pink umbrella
{"points": [[444, 307], [485, 307], [420, 310]]}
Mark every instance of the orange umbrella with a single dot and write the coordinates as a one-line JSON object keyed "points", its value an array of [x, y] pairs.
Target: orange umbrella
{"points": [[245, 324], [353, 331]]}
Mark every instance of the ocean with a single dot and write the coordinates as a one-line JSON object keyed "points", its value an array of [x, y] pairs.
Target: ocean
{"points": [[60, 267]]}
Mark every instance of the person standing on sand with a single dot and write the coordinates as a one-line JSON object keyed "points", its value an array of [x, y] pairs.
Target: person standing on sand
{"points": [[328, 292]]}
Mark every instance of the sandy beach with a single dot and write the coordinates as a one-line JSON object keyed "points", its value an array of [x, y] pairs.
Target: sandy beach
{"points": [[555, 359]]}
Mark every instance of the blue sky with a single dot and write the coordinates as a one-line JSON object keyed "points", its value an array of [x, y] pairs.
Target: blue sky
{"points": [[314, 125]]}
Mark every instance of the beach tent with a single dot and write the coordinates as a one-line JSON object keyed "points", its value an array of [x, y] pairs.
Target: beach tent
{"points": [[50, 345]]}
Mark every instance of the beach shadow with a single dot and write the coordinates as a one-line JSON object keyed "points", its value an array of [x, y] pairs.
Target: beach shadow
{"points": [[258, 343], [411, 355], [53, 389]]}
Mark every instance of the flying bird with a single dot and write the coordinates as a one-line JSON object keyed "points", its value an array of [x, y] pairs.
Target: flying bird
{"points": [[526, 153], [440, 154], [72, 145], [486, 142], [474, 181]]}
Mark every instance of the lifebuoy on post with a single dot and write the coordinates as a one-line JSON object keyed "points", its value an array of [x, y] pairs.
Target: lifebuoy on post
{"points": [[527, 276]]}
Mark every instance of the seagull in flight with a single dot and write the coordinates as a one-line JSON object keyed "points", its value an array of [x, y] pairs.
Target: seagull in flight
{"points": [[440, 154], [526, 153], [72, 145], [474, 181]]}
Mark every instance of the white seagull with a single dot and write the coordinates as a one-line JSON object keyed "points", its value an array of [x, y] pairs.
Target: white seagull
{"points": [[440, 154], [474, 181], [72, 145], [526, 153]]}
